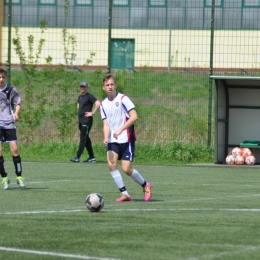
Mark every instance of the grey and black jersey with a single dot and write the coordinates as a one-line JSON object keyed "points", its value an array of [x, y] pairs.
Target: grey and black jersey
{"points": [[7, 105]]}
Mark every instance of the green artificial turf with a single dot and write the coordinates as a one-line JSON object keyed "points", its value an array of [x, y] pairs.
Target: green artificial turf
{"points": [[196, 212]]}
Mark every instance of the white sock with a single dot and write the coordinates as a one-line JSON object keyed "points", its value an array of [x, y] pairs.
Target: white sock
{"points": [[116, 175], [137, 177]]}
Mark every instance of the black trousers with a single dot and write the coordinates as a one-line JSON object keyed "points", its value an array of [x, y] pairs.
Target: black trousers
{"points": [[85, 141]]}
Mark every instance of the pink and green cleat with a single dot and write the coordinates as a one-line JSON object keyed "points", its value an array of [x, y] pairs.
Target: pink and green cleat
{"points": [[147, 191], [123, 198]]}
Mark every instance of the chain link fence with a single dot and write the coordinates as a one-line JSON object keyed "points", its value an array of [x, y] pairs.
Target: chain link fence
{"points": [[162, 52]]}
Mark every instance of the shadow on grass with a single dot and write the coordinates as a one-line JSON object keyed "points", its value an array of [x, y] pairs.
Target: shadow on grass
{"points": [[28, 189], [150, 201]]}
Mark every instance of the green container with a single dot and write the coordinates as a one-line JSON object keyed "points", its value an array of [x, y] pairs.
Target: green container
{"points": [[250, 143]]}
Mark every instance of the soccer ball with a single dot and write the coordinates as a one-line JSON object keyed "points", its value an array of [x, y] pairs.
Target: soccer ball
{"points": [[250, 160], [236, 151], [94, 202], [239, 160], [230, 159], [246, 152]]}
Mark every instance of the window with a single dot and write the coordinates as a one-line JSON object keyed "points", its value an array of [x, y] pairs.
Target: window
{"points": [[120, 2], [83, 2], [16, 2], [157, 3], [251, 3], [208, 3], [47, 2]]}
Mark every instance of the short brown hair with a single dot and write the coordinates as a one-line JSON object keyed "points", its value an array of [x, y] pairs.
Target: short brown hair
{"points": [[108, 77], [2, 70]]}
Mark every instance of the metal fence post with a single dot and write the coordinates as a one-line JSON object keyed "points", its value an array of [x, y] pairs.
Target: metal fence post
{"points": [[9, 42], [169, 56], [109, 35], [211, 72]]}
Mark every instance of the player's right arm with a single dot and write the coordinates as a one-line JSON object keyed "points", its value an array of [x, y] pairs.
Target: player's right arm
{"points": [[106, 131]]}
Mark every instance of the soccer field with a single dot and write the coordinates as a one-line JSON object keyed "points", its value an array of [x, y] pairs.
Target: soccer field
{"points": [[196, 212]]}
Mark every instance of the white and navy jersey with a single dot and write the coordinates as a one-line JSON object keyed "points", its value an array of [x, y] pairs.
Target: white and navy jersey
{"points": [[116, 112], [9, 97]]}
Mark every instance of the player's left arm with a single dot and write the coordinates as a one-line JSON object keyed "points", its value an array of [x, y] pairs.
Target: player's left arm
{"points": [[96, 108], [133, 118], [16, 104], [16, 113]]}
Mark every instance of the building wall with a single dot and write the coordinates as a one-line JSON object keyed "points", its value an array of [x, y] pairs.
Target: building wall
{"points": [[186, 48], [235, 37], [141, 14]]}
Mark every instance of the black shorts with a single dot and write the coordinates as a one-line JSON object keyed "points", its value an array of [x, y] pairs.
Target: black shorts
{"points": [[125, 151], [8, 135]]}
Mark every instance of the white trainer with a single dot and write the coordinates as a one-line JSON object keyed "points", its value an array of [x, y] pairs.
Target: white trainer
{"points": [[20, 181], [6, 183]]}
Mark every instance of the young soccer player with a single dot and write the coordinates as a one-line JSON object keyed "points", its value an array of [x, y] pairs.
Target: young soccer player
{"points": [[10, 104], [118, 114]]}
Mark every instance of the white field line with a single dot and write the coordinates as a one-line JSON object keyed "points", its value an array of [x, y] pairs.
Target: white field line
{"points": [[124, 210], [186, 209], [75, 256], [245, 249], [58, 181], [201, 199], [41, 212], [213, 198], [164, 183], [221, 184], [162, 202], [39, 182], [35, 252]]}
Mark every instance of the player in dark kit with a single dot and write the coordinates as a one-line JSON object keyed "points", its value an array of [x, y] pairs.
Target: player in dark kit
{"points": [[10, 104], [86, 101]]}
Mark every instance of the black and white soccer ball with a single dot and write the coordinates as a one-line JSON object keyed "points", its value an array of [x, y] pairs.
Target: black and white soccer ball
{"points": [[94, 202]]}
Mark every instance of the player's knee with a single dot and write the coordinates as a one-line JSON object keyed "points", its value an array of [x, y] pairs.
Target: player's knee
{"points": [[112, 166], [127, 170], [14, 152], [14, 148]]}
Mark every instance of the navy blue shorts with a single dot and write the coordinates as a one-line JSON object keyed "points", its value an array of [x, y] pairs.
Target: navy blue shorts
{"points": [[8, 135], [125, 151]]}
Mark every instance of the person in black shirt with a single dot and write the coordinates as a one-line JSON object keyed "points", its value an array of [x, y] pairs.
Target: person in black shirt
{"points": [[85, 104]]}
